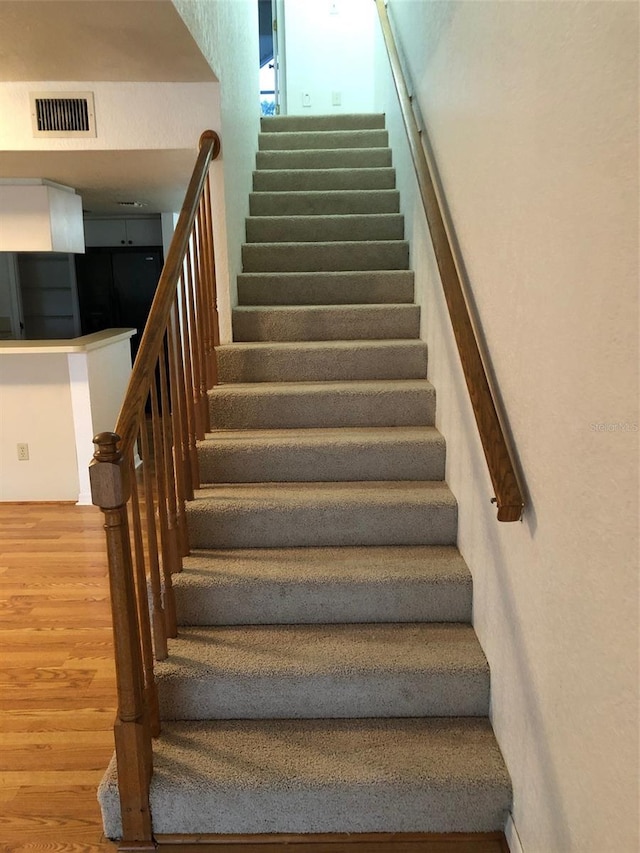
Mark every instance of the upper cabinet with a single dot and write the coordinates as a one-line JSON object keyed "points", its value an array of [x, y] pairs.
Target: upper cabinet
{"points": [[138, 231]]}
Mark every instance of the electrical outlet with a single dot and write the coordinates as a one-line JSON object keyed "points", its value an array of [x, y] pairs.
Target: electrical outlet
{"points": [[306, 99], [23, 452], [333, 7], [336, 99]]}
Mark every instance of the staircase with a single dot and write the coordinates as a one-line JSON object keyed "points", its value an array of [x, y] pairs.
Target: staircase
{"points": [[326, 677]]}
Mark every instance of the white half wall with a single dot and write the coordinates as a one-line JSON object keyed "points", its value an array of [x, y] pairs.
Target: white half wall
{"points": [[329, 50], [227, 34], [532, 109]]}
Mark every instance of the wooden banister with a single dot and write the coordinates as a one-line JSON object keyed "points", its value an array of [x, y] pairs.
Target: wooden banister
{"points": [[164, 413], [485, 400]]}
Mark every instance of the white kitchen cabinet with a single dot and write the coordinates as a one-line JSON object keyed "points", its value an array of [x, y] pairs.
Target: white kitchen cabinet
{"points": [[138, 231]]}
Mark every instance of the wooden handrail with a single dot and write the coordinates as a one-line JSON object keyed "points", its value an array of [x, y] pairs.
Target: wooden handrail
{"points": [[485, 400], [164, 413], [153, 336]]}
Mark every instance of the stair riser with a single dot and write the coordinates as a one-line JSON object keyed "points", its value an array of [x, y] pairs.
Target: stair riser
{"points": [[308, 140], [325, 289], [352, 694], [329, 257], [394, 361], [331, 408], [244, 525], [333, 202], [267, 603], [335, 158], [295, 180], [288, 229], [251, 463], [375, 323], [349, 121]]}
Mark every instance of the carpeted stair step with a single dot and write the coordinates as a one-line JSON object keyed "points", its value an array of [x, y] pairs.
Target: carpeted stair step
{"points": [[295, 180], [323, 585], [409, 669], [325, 257], [342, 287], [325, 322], [300, 405], [292, 515], [361, 453], [324, 158], [304, 776], [321, 361], [345, 121], [360, 226], [321, 139], [329, 202]]}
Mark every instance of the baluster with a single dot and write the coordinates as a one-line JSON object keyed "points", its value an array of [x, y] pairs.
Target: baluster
{"points": [[181, 465], [190, 408], [200, 397], [110, 491], [169, 469], [167, 540], [204, 295], [150, 692], [202, 317], [211, 262], [157, 613]]}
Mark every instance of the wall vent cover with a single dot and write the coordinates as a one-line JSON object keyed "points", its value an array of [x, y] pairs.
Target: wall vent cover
{"points": [[63, 114]]}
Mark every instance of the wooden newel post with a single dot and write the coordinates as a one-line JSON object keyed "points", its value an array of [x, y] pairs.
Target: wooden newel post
{"points": [[110, 491]]}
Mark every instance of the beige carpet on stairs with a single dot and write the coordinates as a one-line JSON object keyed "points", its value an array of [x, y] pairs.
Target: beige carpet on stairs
{"points": [[326, 676]]}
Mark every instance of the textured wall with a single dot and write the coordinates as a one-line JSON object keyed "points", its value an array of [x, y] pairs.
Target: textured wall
{"points": [[227, 34], [329, 52], [128, 115], [533, 113]]}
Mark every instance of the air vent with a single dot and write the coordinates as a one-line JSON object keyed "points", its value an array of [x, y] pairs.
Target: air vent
{"points": [[67, 114]]}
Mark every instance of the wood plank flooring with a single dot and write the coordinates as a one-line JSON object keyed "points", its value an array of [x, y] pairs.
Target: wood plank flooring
{"points": [[57, 699], [57, 686]]}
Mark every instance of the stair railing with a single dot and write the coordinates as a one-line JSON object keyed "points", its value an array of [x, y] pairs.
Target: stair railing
{"points": [[485, 400], [143, 472]]}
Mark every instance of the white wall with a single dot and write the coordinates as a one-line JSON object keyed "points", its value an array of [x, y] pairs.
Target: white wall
{"points": [[532, 109], [128, 115], [227, 34], [35, 408], [329, 47]]}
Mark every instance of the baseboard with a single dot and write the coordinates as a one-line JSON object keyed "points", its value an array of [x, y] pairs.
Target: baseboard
{"points": [[481, 842], [511, 834]]}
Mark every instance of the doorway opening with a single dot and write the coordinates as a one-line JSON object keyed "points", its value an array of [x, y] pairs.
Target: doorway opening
{"points": [[271, 37]]}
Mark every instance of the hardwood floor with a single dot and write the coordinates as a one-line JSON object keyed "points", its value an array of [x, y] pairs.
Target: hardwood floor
{"points": [[57, 698], [57, 688]]}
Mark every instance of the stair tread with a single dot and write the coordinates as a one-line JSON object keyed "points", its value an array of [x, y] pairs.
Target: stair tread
{"points": [[249, 651], [382, 564], [313, 346], [309, 387], [322, 435], [323, 585], [359, 775], [373, 492]]}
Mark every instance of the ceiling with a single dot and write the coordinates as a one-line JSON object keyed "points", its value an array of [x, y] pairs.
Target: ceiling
{"points": [[102, 40], [115, 40]]}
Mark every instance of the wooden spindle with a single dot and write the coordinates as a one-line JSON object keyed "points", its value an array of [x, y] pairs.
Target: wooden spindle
{"points": [[169, 469], [167, 541], [157, 607], [200, 398], [211, 261], [190, 408], [180, 461], [150, 692], [110, 491]]}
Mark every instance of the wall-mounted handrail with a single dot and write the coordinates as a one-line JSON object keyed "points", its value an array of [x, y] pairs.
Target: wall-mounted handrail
{"points": [[143, 473], [485, 400]]}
